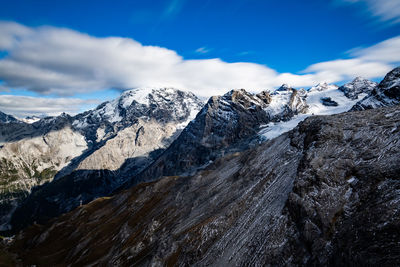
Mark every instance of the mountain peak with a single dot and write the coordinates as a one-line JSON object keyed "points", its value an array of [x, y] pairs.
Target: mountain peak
{"points": [[357, 87], [322, 87], [150, 102], [284, 87], [5, 118], [387, 93]]}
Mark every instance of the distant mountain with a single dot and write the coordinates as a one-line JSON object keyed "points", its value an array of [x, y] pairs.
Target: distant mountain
{"points": [[387, 93], [358, 86], [323, 194], [5, 118], [129, 130], [32, 119]]}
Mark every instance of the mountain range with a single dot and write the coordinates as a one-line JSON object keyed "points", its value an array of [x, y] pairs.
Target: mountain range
{"points": [[158, 177]]}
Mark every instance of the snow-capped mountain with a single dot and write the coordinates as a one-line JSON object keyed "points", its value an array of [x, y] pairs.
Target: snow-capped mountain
{"points": [[138, 137], [5, 118], [387, 93], [31, 119], [129, 130], [322, 99], [358, 86], [238, 120]]}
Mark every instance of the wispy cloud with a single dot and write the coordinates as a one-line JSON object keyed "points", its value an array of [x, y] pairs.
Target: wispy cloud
{"points": [[202, 50], [385, 10], [59, 61], [22, 106]]}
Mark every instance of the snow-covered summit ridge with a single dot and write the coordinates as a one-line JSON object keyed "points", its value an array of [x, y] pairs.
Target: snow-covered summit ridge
{"points": [[323, 87], [289, 107], [357, 86], [163, 104], [387, 93]]}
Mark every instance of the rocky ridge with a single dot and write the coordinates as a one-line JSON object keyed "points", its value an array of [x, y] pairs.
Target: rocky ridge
{"points": [[387, 93], [226, 124], [131, 127], [5, 118], [358, 86]]}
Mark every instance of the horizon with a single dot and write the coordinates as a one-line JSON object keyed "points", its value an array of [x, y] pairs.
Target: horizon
{"points": [[203, 99], [57, 57]]}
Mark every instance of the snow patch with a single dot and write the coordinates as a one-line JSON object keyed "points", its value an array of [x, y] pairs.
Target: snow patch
{"points": [[315, 107]]}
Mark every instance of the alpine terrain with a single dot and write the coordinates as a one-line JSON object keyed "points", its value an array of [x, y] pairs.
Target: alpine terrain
{"points": [[288, 177], [130, 130]]}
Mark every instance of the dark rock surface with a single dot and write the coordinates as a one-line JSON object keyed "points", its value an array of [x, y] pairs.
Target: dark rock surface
{"points": [[323, 194], [327, 101], [5, 118]]}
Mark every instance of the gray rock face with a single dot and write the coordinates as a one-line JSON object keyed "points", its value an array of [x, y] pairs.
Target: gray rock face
{"points": [[387, 93], [5, 118], [325, 193], [126, 132], [327, 101], [358, 86], [226, 124]]}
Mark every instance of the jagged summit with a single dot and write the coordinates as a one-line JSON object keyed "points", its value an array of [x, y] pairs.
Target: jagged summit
{"points": [[358, 86], [284, 87], [322, 87], [387, 93], [164, 104]]}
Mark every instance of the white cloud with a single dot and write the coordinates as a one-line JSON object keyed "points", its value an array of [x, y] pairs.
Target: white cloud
{"points": [[344, 69], [22, 106], [384, 10], [63, 62], [10, 32], [387, 51]]}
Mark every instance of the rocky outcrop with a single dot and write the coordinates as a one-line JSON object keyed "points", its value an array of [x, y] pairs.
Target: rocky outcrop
{"points": [[327, 101], [387, 93], [299, 199]]}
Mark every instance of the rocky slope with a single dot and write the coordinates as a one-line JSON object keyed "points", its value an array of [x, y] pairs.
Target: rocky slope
{"points": [[5, 118], [238, 120], [299, 199], [128, 130], [227, 124], [31, 155], [387, 93]]}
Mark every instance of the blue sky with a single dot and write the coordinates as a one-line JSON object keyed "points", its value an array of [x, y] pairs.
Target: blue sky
{"points": [[194, 45]]}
